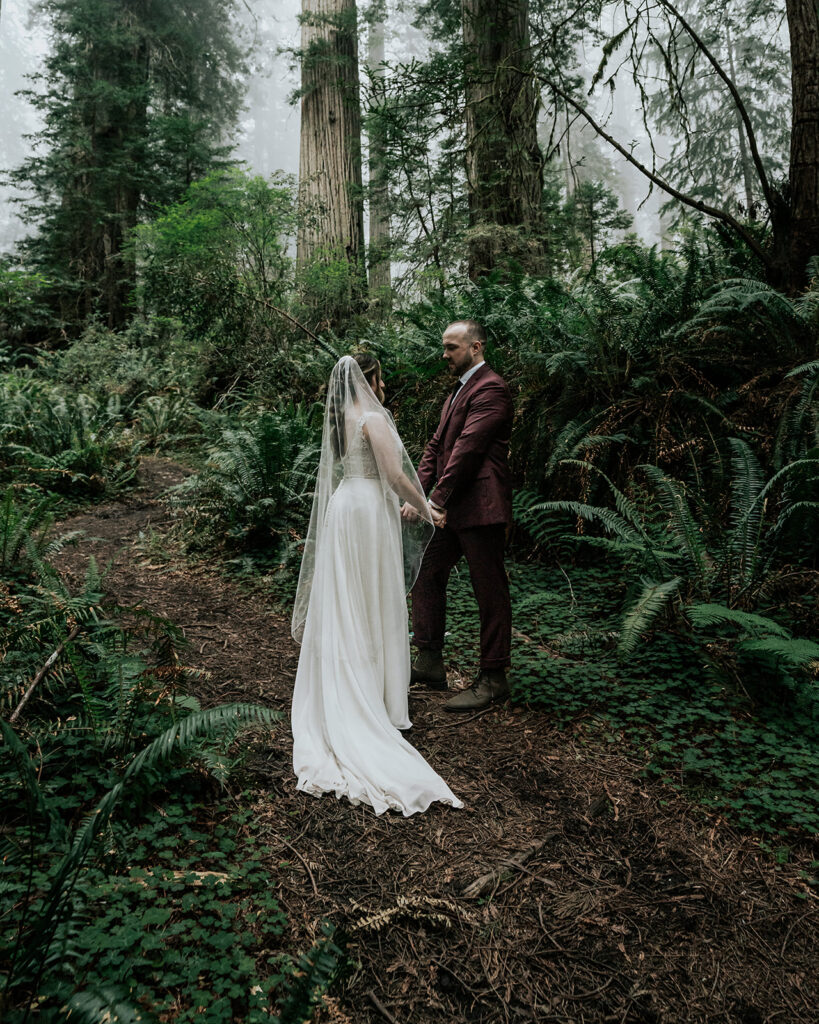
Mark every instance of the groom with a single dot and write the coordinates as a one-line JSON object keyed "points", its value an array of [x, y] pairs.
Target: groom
{"points": [[465, 466]]}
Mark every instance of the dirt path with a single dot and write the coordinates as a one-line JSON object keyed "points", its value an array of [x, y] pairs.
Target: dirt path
{"points": [[596, 895]]}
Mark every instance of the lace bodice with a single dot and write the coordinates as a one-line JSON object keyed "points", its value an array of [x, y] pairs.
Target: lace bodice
{"points": [[359, 460]]}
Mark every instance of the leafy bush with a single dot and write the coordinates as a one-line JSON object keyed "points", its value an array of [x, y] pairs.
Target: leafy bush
{"points": [[217, 261], [256, 489]]}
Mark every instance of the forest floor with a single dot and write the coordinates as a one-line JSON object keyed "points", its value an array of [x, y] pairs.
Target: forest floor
{"points": [[570, 888]]}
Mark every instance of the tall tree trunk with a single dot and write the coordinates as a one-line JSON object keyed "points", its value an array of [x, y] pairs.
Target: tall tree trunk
{"points": [[330, 183], [748, 174], [107, 190], [801, 240], [504, 164], [379, 250]]}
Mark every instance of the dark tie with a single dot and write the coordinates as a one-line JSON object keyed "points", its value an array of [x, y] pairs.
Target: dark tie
{"points": [[454, 394]]}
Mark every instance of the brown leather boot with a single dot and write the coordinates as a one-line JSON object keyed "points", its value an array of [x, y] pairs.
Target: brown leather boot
{"points": [[490, 685], [428, 669]]}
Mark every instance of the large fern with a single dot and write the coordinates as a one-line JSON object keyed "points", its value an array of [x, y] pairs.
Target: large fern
{"points": [[179, 739], [686, 552]]}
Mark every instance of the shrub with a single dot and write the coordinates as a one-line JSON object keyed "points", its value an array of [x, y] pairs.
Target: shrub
{"points": [[256, 489]]}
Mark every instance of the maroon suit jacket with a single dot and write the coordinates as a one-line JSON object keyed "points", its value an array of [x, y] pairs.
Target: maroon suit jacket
{"points": [[467, 459]]}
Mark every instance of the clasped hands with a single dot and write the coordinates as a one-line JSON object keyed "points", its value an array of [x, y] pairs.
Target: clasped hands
{"points": [[410, 513]]}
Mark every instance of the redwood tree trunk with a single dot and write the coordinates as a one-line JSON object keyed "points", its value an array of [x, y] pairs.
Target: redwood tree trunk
{"points": [[379, 249], [101, 258], [504, 164], [330, 184], [801, 240]]}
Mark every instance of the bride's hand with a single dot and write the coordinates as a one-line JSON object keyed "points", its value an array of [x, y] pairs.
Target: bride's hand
{"points": [[438, 517], [409, 513]]}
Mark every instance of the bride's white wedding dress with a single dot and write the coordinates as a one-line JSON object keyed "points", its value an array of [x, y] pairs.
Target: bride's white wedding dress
{"points": [[350, 696]]}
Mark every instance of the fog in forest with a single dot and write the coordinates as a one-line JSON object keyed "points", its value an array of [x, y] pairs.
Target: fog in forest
{"points": [[267, 137]]}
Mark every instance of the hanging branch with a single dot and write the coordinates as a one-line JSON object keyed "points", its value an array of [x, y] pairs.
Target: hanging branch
{"points": [[695, 204], [768, 192], [297, 323]]}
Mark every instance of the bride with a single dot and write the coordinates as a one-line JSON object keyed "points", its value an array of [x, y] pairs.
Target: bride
{"points": [[350, 613]]}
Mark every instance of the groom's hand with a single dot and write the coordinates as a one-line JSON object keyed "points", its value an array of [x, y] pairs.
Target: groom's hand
{"points": [[438, 516]]}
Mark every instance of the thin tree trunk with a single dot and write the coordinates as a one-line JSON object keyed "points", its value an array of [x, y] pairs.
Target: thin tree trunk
{"points": [[504, 164], [744, 156], [330, 184], [802, 237], [566, 154], [379, 250]]}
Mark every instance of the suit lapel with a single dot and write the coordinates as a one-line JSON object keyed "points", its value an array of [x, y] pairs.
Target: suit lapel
{"points": [[476, 378]]}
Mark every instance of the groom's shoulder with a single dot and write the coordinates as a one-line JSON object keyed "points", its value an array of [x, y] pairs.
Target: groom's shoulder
{"points": [[492, 379]]}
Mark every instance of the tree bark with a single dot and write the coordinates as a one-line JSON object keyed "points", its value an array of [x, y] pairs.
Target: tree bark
{"points": [[504, 164], [379, 250], [330, 183], [801, 240], [116, 129]]}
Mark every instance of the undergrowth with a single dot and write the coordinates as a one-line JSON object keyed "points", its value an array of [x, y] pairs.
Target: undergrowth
{"points": [[134, 887], [750, 752]]}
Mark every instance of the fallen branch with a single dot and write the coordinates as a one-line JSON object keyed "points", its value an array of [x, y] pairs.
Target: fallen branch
{"points": [[41, 674], [296, 323], [306, 865], [382, 1009], [491, 878]]}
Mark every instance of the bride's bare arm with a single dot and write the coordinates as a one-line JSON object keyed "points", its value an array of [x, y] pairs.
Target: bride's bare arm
{"points": [[383, 443]]}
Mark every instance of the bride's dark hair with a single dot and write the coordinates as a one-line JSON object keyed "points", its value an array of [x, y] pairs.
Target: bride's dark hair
{"points": [[371, 368]]}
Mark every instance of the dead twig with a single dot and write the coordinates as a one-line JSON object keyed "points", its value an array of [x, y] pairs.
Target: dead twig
{"points": [[304, 862], [487, 881], [41, 674], [382, 1009]]}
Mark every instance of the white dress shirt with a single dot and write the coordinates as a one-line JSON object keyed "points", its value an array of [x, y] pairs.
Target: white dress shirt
{"points": [[464, 379]]}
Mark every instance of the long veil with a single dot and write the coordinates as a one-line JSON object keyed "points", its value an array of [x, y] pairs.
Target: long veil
{"points": [[351, 401]]}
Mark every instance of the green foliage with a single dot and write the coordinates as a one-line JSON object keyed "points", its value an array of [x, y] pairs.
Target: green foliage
{"points": [[26, 533], [119, 907], [594, 218], [256, 486], [132, 364], [743, 742], [218, 261], [680, 553], [23, 311], [63, 442]]}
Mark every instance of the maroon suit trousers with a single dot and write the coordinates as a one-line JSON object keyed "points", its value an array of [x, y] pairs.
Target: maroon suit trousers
{"points": [[482, 546]]}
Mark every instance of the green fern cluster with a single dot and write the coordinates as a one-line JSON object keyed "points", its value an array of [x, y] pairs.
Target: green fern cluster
{"points": [[63, 442], [256, 487], [681, 556]]}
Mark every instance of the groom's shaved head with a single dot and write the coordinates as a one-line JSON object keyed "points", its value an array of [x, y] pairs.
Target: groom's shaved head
{"points": [[472, 330]]}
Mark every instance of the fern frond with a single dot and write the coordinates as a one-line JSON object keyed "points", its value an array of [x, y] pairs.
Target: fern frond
{"points": [[747, 522], [797, 651], [105, 1005], [685, 530], [705, 616], [652, 600], [179, 738]]}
